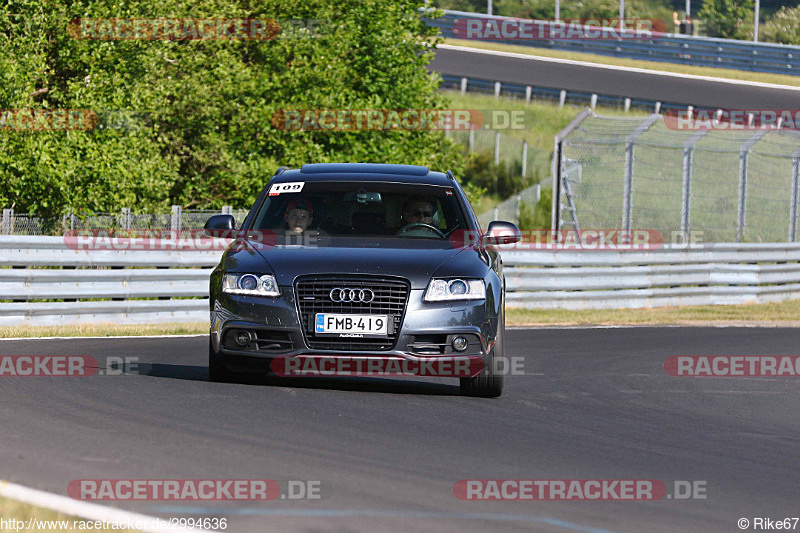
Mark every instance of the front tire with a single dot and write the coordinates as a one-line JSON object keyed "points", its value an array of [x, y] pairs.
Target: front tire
{"points": [[487, 384], [217, 371]]}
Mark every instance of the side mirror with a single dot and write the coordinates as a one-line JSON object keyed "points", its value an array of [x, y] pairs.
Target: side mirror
{"points": [[220, 226], [501, 232]]}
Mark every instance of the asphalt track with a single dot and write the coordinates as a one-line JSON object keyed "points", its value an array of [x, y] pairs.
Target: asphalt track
{"points": [[594, 404], [543, 73]]}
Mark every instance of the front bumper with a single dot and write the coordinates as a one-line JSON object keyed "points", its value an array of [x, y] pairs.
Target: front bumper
{"points": [[426, 330]]}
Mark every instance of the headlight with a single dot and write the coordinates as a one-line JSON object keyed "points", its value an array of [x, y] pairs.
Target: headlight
{"points": [[441, 290], [250, 284]]}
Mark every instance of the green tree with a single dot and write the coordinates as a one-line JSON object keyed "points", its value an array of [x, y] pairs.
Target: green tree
{"points": [[205, 138], [731, 19], [783, 27]]}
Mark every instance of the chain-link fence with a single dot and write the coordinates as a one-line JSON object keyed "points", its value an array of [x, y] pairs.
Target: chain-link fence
{"points": [[177, 220], [720, 185]]}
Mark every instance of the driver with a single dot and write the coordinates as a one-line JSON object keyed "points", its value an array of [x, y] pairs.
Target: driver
{"points": [[419, 211]]}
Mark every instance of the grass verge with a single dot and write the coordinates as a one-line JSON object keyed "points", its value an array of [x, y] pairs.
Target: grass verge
{"points": [[58, 522], [770, 314], [763, 77], [104, 330]]}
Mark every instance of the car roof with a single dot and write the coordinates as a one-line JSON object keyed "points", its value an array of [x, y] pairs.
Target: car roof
{"points": [[412, 174]]}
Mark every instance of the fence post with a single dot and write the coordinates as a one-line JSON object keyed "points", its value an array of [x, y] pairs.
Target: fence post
{"points": [[471, 138], [524, 160], [227, 210], [627, 186], [8, 221], [688, 161], [627, 104], [793, 202], [463, 86], [562, 97], [497, 89], [744, 155], [519, 207], [593, 101], [528, 90], [555, 168], [495, 213], [497, 148], [175, 219], [658, 108], [126, 219]]}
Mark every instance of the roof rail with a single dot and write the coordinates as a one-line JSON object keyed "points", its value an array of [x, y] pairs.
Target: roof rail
{"points": [[450, 175]]}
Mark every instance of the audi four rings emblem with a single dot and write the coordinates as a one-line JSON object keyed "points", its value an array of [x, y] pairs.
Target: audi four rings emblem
{"points": [[352, 295]]}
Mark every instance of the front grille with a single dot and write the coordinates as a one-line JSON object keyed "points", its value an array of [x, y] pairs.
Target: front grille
{"points": [[313, 296]]}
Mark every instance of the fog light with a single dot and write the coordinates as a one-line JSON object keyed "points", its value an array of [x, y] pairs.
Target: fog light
{"points": [[243, 338], [460, 344]]}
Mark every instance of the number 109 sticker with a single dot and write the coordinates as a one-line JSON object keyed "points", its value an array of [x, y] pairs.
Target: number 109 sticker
{"points": [[292, 186]]}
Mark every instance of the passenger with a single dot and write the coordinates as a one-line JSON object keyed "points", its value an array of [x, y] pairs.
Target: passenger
{"points": [[299, 215]]}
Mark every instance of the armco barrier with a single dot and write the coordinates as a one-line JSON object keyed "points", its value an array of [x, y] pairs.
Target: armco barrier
{"points": [[100, 285], [711, 274], [669, 48], [172, 286]]}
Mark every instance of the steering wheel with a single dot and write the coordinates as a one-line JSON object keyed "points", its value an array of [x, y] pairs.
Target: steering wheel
{"points": [[420, 225]]}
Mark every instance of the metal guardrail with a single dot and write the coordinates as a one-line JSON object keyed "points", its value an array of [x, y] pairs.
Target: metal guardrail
{"points": [[667, 48], [129, 287], [101, 286], [711, 274]]}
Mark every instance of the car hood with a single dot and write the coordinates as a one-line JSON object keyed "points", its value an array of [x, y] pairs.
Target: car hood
{"points": [[415, 261]]}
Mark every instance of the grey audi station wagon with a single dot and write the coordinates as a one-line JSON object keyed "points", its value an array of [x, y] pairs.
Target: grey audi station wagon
{"points": [[361, 260]]}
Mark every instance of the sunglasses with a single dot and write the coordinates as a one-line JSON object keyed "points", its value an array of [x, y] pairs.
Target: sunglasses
{"points": [[419, 213]]}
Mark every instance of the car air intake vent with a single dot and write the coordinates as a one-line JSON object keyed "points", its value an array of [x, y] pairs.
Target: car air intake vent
{"points": [[428, 344], [273, 341], [389, 297]]}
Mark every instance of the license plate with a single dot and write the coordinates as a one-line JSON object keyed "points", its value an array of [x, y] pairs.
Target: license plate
{"points": [[356, 325]]}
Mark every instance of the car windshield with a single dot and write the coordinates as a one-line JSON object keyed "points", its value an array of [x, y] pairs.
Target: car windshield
{"points": [[363, 209]]}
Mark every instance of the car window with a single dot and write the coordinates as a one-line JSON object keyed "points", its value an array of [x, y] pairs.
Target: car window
{"points": [[364, 209]]}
